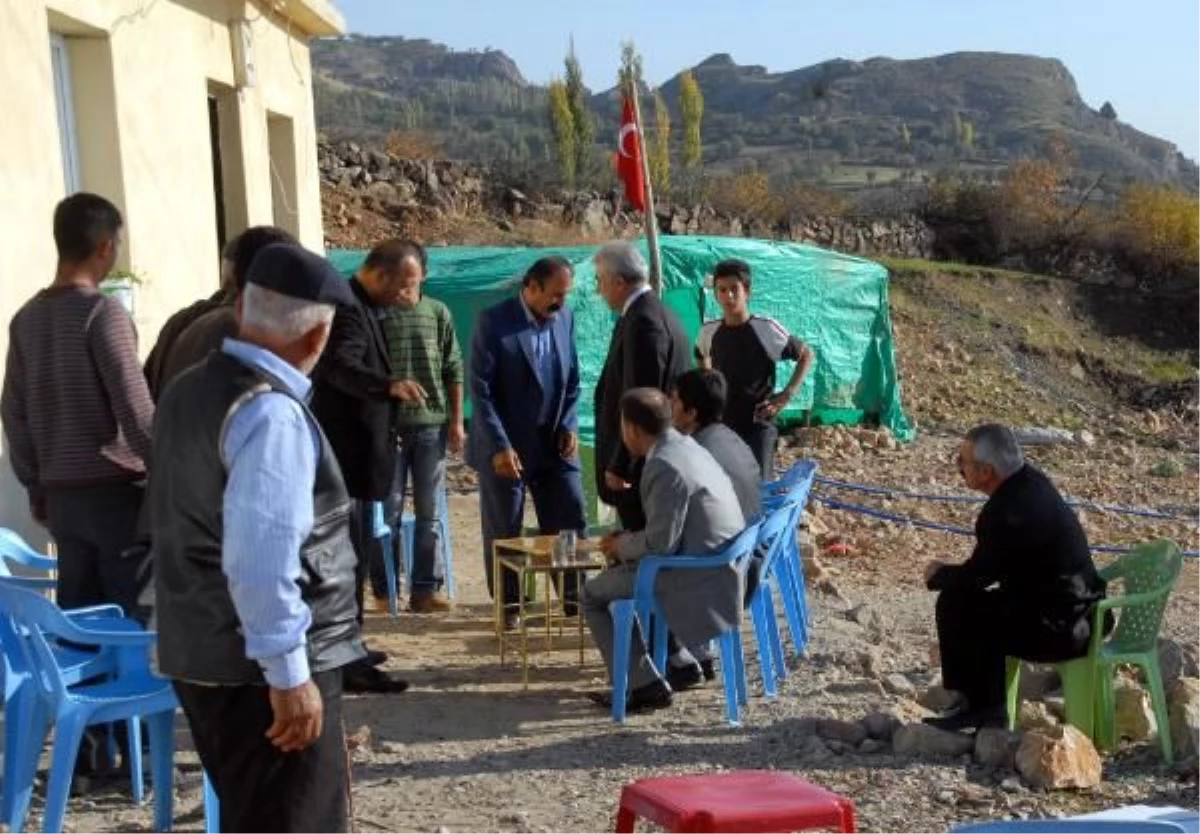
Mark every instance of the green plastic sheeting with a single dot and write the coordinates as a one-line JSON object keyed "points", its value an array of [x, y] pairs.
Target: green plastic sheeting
{"points": [[836, 303]]}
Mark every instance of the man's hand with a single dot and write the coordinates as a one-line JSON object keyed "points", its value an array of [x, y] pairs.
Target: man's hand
{"points": [[769, 409], [568, 443], [299, 715], [615, 482], [456, 436], [408, 390], [932, 568], [609, 546], [507, 465]]}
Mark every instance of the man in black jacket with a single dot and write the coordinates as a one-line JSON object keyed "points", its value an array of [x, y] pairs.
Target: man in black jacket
{"points": [[1028, 589], [354, 399], [649, 349]]}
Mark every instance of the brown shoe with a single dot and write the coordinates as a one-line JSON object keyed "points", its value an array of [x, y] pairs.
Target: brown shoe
{"points": [[431, 603]]}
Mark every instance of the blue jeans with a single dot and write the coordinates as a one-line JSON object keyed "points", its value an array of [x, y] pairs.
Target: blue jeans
{"points": [[423, 456]]}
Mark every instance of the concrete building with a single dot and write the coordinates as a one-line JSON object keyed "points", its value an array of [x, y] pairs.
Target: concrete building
{"points": [[195, 117]]}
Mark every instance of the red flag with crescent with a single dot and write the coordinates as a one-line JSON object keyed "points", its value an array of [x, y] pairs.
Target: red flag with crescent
{"points": [[629, 157]]}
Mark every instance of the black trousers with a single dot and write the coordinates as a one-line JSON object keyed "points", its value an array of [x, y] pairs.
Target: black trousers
{"points": [[93, 529], [763, 440], [977, 630], [261, 788]]}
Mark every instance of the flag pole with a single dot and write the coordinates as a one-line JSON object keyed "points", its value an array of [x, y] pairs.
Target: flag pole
{"points": [[651, 219]]}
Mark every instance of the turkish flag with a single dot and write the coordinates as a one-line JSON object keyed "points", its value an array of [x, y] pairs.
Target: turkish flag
{"points": [[629, 157]]}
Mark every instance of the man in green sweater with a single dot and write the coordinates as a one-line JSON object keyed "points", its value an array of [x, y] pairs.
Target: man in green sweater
{"points": [[421, 347]]}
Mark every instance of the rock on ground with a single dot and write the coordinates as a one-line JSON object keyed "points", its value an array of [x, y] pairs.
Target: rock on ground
{"points": [[1058, 757]]}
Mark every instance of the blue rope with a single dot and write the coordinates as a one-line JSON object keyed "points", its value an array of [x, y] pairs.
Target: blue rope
{"points": [[946, 528], [971, 499]]}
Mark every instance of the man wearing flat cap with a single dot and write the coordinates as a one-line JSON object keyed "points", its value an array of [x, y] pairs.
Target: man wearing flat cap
{"points": [[254, 567]]}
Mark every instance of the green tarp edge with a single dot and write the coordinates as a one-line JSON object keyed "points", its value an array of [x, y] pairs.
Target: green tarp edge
{"points": [[837, 303]]}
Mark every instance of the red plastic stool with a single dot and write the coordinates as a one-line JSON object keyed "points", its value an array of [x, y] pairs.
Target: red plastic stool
{"points": [[738, 801]]}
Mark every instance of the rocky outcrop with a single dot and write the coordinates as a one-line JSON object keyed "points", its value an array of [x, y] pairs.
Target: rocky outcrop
{"points": [[402, 189]]}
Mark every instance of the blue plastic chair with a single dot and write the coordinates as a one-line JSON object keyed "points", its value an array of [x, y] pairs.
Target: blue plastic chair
{"points": [[645, 610], [793, 487], [408, 535], [1061, 826], [777, 528], [383, 534], [14, 549], [129, 694]]}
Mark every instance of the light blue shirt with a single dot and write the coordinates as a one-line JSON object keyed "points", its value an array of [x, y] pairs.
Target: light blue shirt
{"points": [[543, 354], [271, 448]]}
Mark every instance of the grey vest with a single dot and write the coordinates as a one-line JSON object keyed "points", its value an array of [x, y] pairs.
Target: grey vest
{"points": [[200, 637]]}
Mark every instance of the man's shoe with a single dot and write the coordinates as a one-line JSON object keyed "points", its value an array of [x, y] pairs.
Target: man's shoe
{"points": [[430, 603], [360, 677], [708, 670], [969, 719], [652, 696], [683, 678], [375, 657], [512, 622]]}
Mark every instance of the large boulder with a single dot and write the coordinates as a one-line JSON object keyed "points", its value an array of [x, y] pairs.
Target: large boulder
{"points": [[1183, 705], [1134, 714], [1058, 757], [1177, 660]]}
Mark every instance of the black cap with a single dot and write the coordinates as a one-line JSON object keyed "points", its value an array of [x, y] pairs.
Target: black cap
{"points": [[295, 272]]}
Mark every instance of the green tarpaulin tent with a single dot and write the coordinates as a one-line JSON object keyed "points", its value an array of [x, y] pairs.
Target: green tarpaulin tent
{"points": [[836, 303]]}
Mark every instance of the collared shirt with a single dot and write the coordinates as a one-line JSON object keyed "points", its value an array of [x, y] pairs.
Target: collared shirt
{"points": [[638, 293], [271, 449], [543, 355]]}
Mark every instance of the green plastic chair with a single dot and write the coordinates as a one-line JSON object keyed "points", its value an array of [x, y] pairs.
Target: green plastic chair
{"points": [[1146, 575]]}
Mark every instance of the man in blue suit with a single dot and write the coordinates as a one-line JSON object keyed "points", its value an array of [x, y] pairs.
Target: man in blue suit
{"points": [[523, 375]]}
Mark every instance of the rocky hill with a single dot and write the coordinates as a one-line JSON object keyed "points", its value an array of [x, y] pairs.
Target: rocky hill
{"points": [[834, 121]]}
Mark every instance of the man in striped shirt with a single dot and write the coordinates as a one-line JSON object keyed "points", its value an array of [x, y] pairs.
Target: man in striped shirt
{"points": [[77, 412], [422, 347]]}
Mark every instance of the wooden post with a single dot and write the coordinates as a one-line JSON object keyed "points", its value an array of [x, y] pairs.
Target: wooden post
{"points": [[651, 219]]}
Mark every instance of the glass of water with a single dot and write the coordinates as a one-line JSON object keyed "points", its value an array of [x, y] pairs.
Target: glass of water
{"points": [[565, 549]]}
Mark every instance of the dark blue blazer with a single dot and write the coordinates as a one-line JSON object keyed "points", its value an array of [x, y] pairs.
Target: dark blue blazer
{"points": [[506, 394]]}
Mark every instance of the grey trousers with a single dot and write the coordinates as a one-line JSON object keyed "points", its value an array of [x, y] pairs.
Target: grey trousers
{"points": [[609, 585]]}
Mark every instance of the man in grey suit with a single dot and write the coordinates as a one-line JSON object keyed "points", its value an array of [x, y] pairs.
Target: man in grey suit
{"points": [[691, 509]]}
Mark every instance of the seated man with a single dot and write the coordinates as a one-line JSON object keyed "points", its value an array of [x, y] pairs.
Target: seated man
{"points": [[697, 405], [1028, 589], [691, 509]]}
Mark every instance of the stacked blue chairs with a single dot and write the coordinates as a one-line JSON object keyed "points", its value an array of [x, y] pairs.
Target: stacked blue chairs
{"points": [[778, 528], [644, 609], [408, 531], [383, 533], [793, 487], [129, 693]]}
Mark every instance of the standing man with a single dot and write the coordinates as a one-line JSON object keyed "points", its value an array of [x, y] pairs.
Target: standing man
{"points": [[254, 567], [77, 412], [524, 377], [422, 348], [745, 348], [354, 400], [1028, 589], [690, 509], [649, 349], [207, 329]]}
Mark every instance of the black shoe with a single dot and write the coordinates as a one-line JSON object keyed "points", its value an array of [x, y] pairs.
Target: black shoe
{"points": [[652, 696], [969, 719], [706, 667], [375, 657], [363, 678], [683, 678]]}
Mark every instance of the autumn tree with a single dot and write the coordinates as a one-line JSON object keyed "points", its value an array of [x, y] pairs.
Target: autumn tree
{"points": [[562, 125], [1159, 229], [581, 117], [660, 147], [413, 144]]}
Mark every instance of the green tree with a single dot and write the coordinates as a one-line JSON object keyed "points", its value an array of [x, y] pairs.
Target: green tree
{"points": [[562, 124], [968, 135], [581, 117], [905, 135], [660, 148], [691, 108], [630, 73]]}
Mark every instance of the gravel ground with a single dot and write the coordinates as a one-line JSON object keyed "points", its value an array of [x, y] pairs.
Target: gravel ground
{"points": [[468, 749]]}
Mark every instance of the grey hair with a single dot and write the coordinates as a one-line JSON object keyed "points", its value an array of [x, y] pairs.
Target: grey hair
{"points": [[996, 446], [282, 315], [623, 260]]}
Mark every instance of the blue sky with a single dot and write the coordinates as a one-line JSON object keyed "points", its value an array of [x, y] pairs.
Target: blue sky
{"points": [[1142, 56]]}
